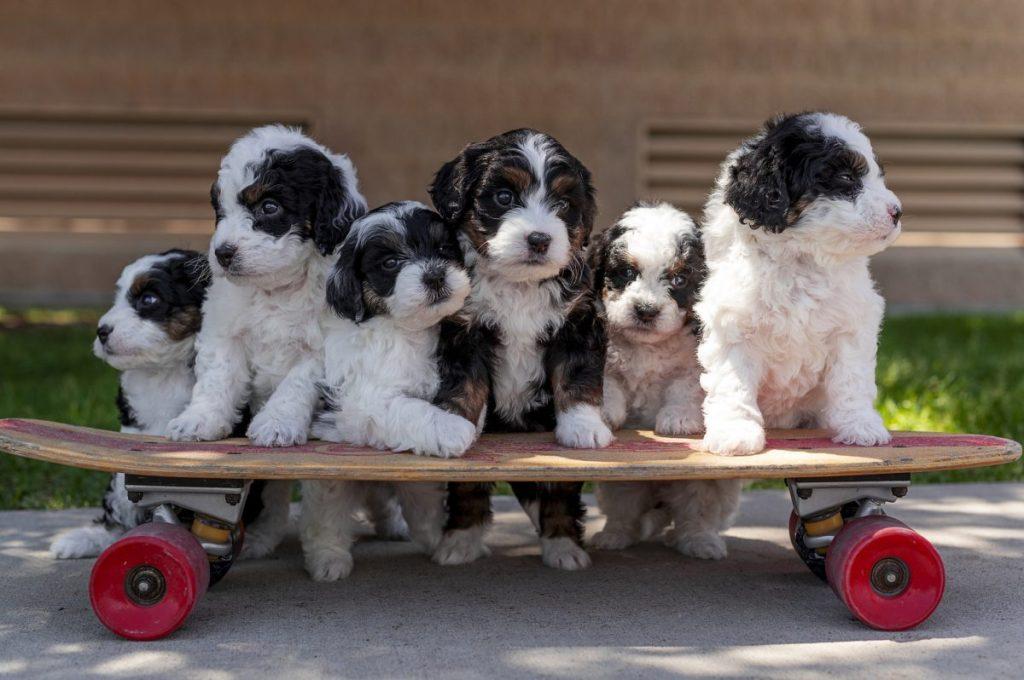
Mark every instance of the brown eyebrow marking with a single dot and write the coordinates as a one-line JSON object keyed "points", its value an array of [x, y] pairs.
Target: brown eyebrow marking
{"points": [[564, 182], [518, 177], [252, 193], [859, 163], [139, 285]]}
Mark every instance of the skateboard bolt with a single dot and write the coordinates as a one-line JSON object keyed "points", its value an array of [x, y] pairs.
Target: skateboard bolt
{"points": [[890, 576], [145, 585]]}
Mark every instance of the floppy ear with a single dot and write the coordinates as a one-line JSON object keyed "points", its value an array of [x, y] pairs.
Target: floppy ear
{"points": [[589, 211], [345, 287], [335, 210], [455, 180], [757, 186], [597, 255]]}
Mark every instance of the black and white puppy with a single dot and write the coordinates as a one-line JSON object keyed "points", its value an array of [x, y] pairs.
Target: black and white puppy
{"points": [[524, 207], [399, 372], [283, 203], [789, 311], [149, 336], [648, 269]]}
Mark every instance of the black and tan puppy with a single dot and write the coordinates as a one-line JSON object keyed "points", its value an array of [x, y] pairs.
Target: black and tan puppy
{"points": [[524, 207]]}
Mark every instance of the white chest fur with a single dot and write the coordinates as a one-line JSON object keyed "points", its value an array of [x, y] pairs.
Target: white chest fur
{"points": [[156, 396], [644, 371]]}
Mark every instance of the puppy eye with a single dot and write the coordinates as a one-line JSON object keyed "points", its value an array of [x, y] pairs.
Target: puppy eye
{"points": [[447, 250], [562, 205], [270, 207], [846, 177], [677, 281], [148, 300], [503, 197], [390, 264]]}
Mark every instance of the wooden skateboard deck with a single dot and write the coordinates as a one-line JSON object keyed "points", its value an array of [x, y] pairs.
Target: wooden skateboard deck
{"points": [[635, 455]]}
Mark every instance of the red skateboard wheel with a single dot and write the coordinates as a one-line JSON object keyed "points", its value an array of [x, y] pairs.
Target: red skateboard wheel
{"points": [[888, 575], [144, 586]]}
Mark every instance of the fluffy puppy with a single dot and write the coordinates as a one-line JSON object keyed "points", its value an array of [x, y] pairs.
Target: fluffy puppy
{"points": [[789, 310], [282, 203], [647, 271], [399, 372], [149, 335], [524, 207]]}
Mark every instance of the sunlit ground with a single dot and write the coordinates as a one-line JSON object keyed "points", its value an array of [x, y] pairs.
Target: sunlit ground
{"points": [[940, 373]]}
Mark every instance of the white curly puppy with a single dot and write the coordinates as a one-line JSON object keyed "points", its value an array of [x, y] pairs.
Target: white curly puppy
{"points": [[648, 269], [283, 203], [789, 311]]}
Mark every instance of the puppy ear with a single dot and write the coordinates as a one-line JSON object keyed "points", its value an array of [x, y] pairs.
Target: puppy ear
{"points": [[757, 186], [334, 211], [345, 287], [589, 208], [455, 181], [597, 255]]}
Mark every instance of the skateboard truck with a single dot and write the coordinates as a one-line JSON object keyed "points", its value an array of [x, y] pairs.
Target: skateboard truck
{"points": [[823, 503]]}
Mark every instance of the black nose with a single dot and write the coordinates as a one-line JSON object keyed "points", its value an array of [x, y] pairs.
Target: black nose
{"points": [[434, 277], [645, 312], [896, 212], [103, 332], [539, 242], [225, 254]]}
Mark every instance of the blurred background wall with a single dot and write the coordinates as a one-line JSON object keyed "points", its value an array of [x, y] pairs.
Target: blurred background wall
{"points": [[113, 115]]}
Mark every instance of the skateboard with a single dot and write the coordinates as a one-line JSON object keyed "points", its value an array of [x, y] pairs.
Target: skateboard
{"points": [[144, 586]]}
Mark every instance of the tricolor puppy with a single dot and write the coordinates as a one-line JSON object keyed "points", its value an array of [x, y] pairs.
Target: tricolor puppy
{"points": [[401, 372], [648, 269], [524, 208], [283, 203], [149, 336], [789, 310]]}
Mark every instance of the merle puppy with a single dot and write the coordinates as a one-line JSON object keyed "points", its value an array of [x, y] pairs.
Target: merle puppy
{"points": [[524, 207]]}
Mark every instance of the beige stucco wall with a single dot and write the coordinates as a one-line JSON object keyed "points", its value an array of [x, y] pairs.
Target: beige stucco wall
{"points": [[401, 86]]}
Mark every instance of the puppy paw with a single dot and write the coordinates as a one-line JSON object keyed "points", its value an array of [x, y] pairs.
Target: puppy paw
{"points": [[734, 438], [329, 565], [563, 553], [197, 427], [257, 546], [83, 542], [273, 429], [391, 528], [453, 435], [868, 430], [705, 545], [461, 546], [673, 422], [581, 427], [611, 540]]}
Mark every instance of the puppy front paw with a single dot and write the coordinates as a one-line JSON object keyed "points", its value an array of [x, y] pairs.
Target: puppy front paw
{"points": [[581, 427], [563, 553], [329, 564], [453, 435], [704, 545], [868, 430], [272, 429], [197, 427], [461, 546], [609, 539], [674, 421], [733, 438]]}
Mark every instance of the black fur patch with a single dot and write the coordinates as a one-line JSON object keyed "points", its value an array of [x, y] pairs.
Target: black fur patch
{"points": [[126, 415], [785, 168]]}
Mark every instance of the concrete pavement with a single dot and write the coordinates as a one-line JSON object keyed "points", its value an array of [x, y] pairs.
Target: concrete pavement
{"points": [[644, 612]]}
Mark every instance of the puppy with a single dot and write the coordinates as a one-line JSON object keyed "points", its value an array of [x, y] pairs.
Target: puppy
{"points": [[283, 203], [400, 374], [789, 310], [148, 335], [524, 207], [648, 269]]}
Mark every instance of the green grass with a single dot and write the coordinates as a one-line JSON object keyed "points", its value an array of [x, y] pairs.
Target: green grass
{"points": [[942, 373]]}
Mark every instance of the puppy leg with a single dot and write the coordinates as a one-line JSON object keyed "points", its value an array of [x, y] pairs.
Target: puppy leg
{"points": [[119, 515], [266, 532], [385, 513], [681, 407], [285, 419], [733, 422], [614, 407], [423, 508], [701, 509], [220, 392], [624, 504], [469, 516], [327, 526], [419, 426], [557, 512], [850, 390]]}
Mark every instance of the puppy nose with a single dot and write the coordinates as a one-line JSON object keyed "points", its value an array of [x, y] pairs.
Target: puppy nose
{"points": [[225, 254], [103, 332], [434, 278], [539, 242], [896, 212], [646, 312]]}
